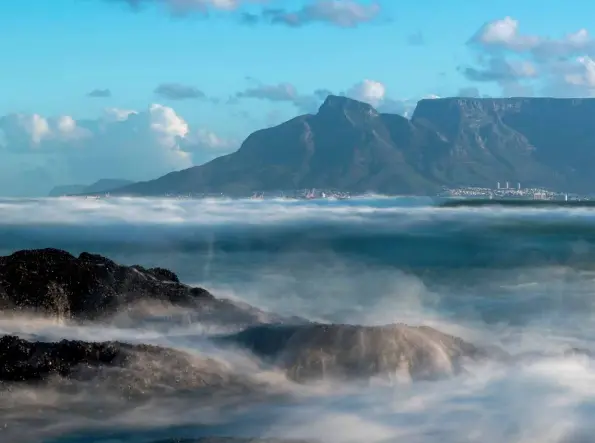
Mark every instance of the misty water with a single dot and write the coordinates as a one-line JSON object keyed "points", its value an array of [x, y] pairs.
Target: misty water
{"points": [[521, 279]]}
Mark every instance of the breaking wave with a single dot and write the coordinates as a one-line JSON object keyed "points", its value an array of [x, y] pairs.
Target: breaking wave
{"points": [[507, 291]]}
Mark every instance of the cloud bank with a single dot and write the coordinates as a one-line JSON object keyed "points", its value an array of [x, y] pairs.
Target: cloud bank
{"points": [[340, 13], [527, 64], [41, 152]]}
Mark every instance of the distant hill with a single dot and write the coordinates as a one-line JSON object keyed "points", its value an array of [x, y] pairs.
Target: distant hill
{"points": [[58, 191], [100, 186], [349, 146]]}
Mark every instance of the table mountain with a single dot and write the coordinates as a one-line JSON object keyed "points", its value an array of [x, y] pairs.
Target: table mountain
{"points": [[350, 146]]}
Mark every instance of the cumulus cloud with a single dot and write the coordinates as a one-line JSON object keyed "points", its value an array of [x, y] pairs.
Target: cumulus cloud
{"points": [[177, 91], [504, 34], [369, 91], [521, 62], [100, 93], [572, 79], [40, 152]]}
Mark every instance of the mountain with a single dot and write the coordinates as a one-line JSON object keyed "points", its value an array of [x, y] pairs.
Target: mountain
{"points": [[100, 186], [350, 146], [106, 184], [58, 191]]}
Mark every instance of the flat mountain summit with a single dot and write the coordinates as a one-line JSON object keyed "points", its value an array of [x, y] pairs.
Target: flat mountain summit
{"points": [[350, 146]]}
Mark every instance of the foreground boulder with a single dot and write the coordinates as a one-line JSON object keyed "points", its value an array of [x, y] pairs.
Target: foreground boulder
{"points": [[317, 351], [130, 370], [55, 282]]}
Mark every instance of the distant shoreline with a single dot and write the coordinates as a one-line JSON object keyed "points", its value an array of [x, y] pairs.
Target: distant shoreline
{"points": [[480, 202]]}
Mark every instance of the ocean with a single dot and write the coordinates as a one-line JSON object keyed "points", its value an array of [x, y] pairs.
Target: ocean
{"points": [[521, 279]]}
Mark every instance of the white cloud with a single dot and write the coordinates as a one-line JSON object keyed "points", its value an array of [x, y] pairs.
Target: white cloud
{"points": [[39, 152], [573, 78], [505, 34], [519, 62], [369, 91], [586, 74], [375, 93], [116, 114]]}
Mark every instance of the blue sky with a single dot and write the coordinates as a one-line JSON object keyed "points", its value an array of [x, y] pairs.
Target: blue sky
{"points": [[54, 53], [58, 50]]}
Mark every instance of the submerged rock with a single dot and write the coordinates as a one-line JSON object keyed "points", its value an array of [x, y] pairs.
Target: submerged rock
{"points": [[55, 282], [317, 351]]}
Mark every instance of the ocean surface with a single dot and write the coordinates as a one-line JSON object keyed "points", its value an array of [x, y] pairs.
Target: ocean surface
{"points": [[520, 278]]}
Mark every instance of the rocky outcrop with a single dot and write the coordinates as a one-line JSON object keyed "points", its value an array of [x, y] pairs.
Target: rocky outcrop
{"points": [[130, 370], [54, 282], [348, 145], [229, 440], [347, 351], [88, 286]]}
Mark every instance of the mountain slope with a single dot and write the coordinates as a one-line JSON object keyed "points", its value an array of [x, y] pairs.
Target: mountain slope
{"points": [[348, 145], [58, 191], [107, 184], [102, 185]]}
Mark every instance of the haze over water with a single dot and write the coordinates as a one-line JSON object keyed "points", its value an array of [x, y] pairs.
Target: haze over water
{"points": [[522, 279]]}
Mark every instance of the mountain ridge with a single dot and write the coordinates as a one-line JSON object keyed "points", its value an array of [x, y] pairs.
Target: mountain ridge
{"points": [[350, 146]]}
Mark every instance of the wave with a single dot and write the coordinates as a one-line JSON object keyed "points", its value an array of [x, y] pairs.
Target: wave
{"points": [[497, 301], [414, 238]]}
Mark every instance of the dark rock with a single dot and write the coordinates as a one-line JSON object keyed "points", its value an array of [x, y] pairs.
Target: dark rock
{"points": [[164, 274], [348, 351], [55, 282], [229, 440], [350, 146], [131, 370], [24, 361]]}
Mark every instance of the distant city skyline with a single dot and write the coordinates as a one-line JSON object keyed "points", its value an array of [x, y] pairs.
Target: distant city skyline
{"points": [[105, 89]]}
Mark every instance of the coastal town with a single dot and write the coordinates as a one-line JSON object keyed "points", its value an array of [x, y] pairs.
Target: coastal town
{"points": [[508, 191]]}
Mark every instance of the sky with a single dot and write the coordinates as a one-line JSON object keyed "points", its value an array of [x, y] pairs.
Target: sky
{"points": [[134, 89]]}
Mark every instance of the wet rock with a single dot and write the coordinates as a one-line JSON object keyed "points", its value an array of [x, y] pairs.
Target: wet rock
{"points": [[318, 351], [131, 370], [229, 440], [89, 286]]}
